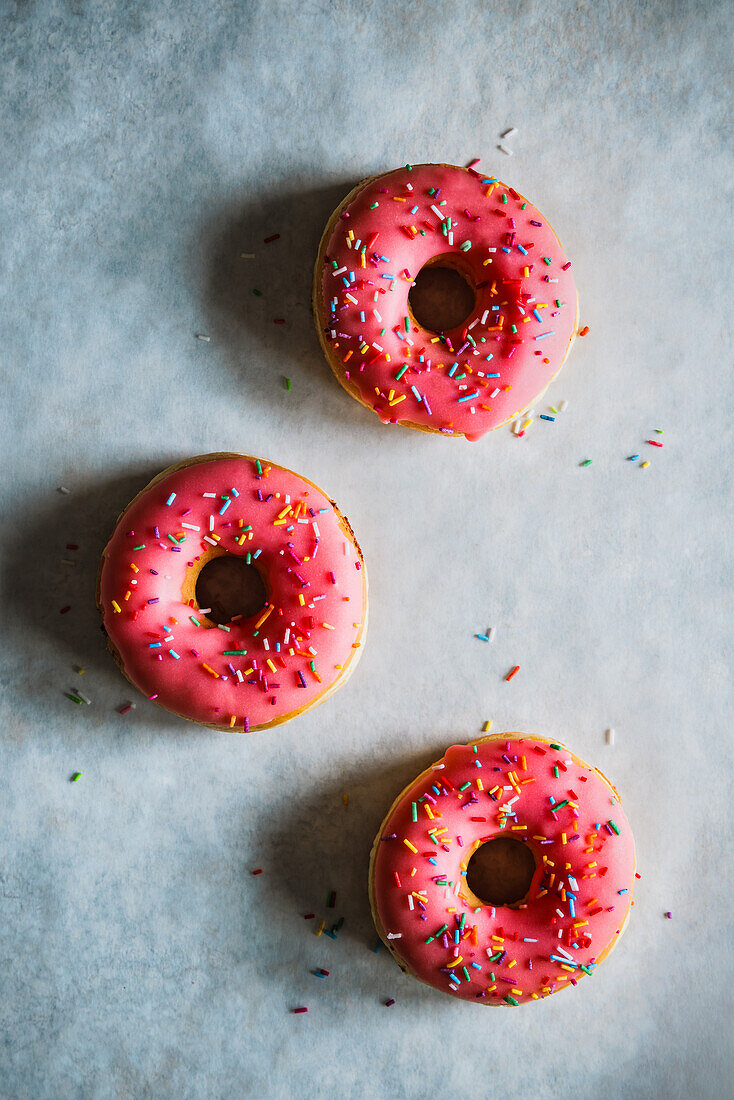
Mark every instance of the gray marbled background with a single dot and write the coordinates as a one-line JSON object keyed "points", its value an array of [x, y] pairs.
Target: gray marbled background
{"points": [[144, 147]]}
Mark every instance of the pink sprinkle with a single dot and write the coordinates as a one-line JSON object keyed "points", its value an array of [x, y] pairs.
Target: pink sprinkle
{"points": [[301, 1009], [126, 708]]}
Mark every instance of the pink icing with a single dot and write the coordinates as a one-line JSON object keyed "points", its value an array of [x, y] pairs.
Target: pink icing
{"points": [[297, 543], [519, 272], [595, 865]]}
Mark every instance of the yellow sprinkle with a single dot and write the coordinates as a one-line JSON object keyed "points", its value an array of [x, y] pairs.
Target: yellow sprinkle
{"points": [[232, 720], [513, 963], [320, 928], [210, 670], [409, 845], [345, 799], [456, 962], [134, 567], [270, 665], [117, 607], [643, 465], [487, 726]]}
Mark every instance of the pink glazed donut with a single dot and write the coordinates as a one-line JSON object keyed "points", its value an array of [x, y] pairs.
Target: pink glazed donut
{"points": [[561, 815], [261, 536], [479, 373]]}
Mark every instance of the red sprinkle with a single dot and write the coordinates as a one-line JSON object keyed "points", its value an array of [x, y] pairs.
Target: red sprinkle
{"points": [[126, 708], [269, 240], [389, 1001], [65, 609], [653, 442], [585, 329], [259, 871], [301, 1009], [513, 672]]}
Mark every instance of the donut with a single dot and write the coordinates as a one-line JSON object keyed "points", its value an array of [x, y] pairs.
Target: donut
{"points": [[287, 584], [486, 366], [527, 806]]}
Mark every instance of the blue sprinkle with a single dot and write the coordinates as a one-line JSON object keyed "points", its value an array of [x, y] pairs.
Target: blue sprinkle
{"points": [[523, 250], [543, 335], [469, 396], [174, 654], [171, 499], [551, 418]]}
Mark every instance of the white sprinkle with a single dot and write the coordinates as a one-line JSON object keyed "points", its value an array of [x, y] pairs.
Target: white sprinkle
{"points": [[247, 255], [191, 527], [610, 736], [208, 494], [510, 132], [83, 698], [212, 542], [67, 561], [507, 152], [63, 489], [563, 406], [410, 902], [201, 336], [204, 610], [491, 633], [211, 523], [395, 935]]}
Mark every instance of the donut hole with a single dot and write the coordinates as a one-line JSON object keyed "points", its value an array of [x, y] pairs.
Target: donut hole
{"points": [[230, 587], [441, 297], [500, 871]]}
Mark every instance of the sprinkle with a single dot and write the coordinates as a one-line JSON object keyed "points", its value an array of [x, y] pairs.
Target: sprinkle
{"points": [[201, 336], [124, 709], [77, 776], [586, 462], [669, 915], [513, 672], [610, 736], [509, 133], [171, 499], [390, 1001], [653, 442], [644, 465], [301, 1009], [505, 150]]}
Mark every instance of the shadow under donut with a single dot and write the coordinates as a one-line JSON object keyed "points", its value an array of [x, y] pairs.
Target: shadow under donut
{"points": [[256, 298]]}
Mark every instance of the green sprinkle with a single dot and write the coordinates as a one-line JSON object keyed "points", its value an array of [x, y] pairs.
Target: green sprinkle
{"points": [[586, 462], [465, 246], [554, 746], [73, 698], [504, 198], [555, 771], [141, 547], [401, 372], [466, 973], [467, 784], [288, 384], [511, 1000], [234, 652], [75, 777], [406, 320], [194, 621], [257, 293], [613, 826], [374, 205], [173, 540], [258, 465], [442, 929], [560, 805], [559, 303], [547, 260], [523, 206], [409, 167], [414, 811]]}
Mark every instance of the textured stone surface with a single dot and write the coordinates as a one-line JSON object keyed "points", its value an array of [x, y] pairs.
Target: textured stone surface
{"points": [[145, 146]]}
